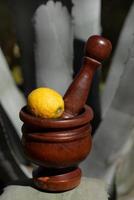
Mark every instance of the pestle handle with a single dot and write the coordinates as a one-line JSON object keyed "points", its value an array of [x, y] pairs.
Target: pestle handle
{"points": [[97, 49]]}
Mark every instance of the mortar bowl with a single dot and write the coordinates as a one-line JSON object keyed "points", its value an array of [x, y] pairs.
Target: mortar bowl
{"points": [[58, 146]]}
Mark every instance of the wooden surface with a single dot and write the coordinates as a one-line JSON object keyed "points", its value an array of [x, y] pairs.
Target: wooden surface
{"points": [[62, 181]]}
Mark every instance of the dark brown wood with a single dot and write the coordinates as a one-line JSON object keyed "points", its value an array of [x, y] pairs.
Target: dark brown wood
{"points": [[61, 182], [97, 49], [61, 148], [59, 145], [41, 123]]}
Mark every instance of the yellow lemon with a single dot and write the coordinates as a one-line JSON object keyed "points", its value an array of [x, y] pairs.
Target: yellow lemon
{"points": [[45, 103]]}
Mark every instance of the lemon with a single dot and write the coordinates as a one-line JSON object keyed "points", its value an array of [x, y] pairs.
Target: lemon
{"points": [[45, 103]]}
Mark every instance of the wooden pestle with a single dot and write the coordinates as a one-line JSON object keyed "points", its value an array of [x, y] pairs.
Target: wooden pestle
{"points": [[97, 49]]}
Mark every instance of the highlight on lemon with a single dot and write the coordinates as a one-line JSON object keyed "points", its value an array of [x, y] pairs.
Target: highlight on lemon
{"points": [[45, 103]]}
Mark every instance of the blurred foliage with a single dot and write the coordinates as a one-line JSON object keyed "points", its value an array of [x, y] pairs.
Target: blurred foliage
{"points": [[7, 36], [8, 43], [113, 15]]}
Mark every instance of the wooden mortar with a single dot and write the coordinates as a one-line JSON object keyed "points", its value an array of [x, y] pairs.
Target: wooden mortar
{"points": [[59, 145]]}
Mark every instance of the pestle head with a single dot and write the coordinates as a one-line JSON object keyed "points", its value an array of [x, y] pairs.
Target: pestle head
{"points": [[98, 48]]}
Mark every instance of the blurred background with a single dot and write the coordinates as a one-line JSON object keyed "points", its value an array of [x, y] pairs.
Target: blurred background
{"points": [[31, 31]]}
